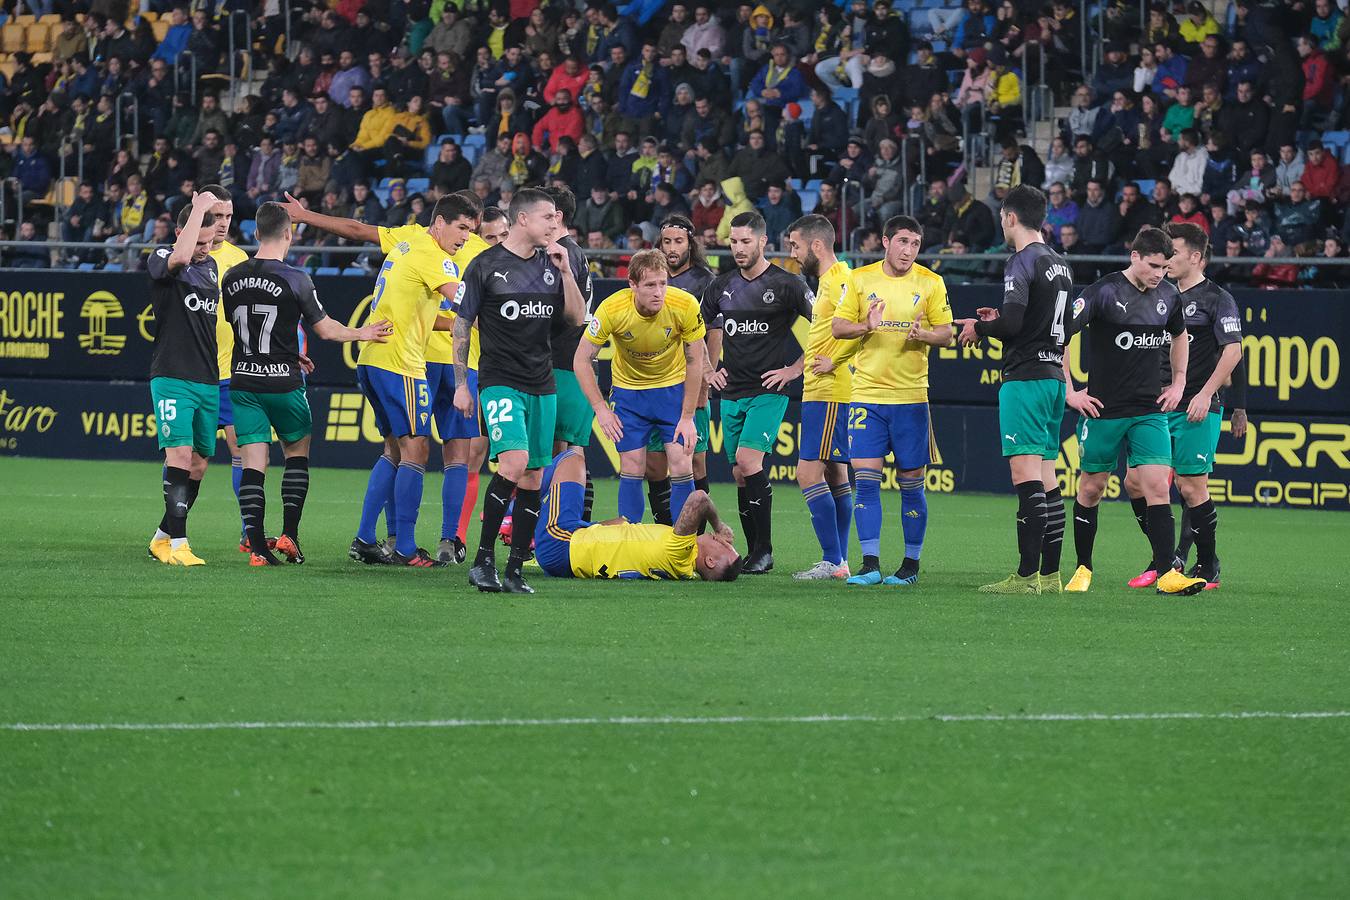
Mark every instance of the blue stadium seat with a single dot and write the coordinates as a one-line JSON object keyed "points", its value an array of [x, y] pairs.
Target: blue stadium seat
{"points": [[1337, 140], [1145, 186], [86, 267], [813, 184], [418, 185], [474, 140], [113, 267], [808, 110], [353, 270], [383, 194], [809, 200], [384, 183], [472, 152], [328, 270], [247, 230], [433, 153]]}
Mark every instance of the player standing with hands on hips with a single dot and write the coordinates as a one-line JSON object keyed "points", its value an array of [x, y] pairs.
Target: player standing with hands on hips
{"points": [[517, 293], [1037, 285]]}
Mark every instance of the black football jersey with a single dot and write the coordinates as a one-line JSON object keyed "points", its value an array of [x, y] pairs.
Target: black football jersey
{"points": [[566, 338], [1038, 279], [693, 280], [265, 300], [186, 303], [1129, 333], [517, 303], [1212, 323], [756, 317]]}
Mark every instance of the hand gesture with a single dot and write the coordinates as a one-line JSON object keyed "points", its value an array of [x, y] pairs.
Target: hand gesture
{"points": [[775, 379], [557, 254], [203, 201], [874, 313], [822, 365], [609, 424], [1238, 423], [918, 333], [375, 331], [306, 365], [986, 314], [464, 401], [717, 378], [1084, 403], [293, 208], [967, 337], [1169, 399], [725, 535]]}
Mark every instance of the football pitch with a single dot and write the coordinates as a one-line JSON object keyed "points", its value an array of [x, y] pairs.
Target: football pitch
{"points": [[334, 730]]}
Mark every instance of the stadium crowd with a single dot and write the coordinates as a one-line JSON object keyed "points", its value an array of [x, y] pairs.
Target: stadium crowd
{"points": [[1224, 115]]}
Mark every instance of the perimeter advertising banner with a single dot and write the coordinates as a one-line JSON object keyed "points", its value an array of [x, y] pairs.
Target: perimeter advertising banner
{"points": [[98, 326], [1289, 460]]}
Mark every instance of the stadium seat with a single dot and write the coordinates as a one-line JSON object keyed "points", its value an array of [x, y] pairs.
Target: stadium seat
{"points": [[809, 200], [1145, 186], [472, 152], [38, 38], [25, 20], [1337, 140], [160, 28], [12, 38], [51, 19], [474, 140], [86, 267], [813, 184], [248, 229], [433, 153], [418, 185], [382, 193], [113, 267], [353, 270], [328, 270]]}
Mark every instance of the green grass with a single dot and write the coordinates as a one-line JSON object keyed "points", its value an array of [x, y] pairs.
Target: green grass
{"points": [[92, 631]]}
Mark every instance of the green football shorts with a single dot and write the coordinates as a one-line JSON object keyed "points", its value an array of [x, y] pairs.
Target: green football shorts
{"points": [[1029, 416], [186, 413], [575, 416], [1145, 438], [519, 421], [702, 421], [257, 414], [752, 422], [1194, 443]]}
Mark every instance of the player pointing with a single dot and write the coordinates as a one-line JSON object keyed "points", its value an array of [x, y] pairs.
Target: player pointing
{"points": [[1131, 318], [886, 308], [1037, 284], [265, 300]]}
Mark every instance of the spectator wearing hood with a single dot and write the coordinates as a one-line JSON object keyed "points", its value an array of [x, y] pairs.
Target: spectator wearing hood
{"points": [[737, 203], [705, 33], [756, 42], [881, 76]]}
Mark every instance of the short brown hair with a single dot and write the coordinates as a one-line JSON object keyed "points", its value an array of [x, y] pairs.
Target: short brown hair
{"points": [[645, 262], [208, 218]]}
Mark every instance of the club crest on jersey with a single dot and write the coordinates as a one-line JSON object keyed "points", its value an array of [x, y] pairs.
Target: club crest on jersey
{"points": [[548, 277], [1190, 309], [627, 335], [768, 297], [1162, 308], [667, 332]]}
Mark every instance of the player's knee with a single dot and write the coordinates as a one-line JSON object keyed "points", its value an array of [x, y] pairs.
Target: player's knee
{"points": [[749, 461], [1194, 490], [1090, 489]]}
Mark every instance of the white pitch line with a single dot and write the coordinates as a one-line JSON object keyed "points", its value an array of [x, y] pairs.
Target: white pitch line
{"points": [[620, 721]]}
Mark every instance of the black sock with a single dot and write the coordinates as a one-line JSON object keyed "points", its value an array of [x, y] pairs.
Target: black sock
{"points": [[495, 503], [253, 508], [294, 489], [747, 520], [760, 504], [1162, 534], [658, 497], [523, 519], [175, 501], [1204, 524], [1052, 545], [1084, 532], [588, 501], [871, 562], [909, 567], [193, 488], [1140, 507], [1185, 533], [701, 484], [1030, 526]]}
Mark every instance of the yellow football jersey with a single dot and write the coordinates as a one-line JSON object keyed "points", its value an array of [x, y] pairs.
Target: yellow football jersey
{"points": [[227, 256], [633, 551], [887, 368], [648, 352], [441, 344], [407, 293], [838, 385]]}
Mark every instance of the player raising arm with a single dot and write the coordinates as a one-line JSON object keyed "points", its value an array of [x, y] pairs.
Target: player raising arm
{"points": [[265, 300], [1037, 284], [567, 546], [184, 384], [517, 293], [1131, 317], [822, 466], [659, 366], [886, 308]]}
